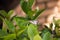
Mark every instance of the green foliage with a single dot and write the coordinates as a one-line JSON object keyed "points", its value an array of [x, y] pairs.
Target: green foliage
{"points": [[32, 31], [10, 37], [26, 6], [38, 13], [2, 33], [37, 37], [9, 25], [44, 31], [30, 3], [21, 22], [3, 13], [10, 13], [23, 29], [57, 23], [57, 27], [47, 36]]}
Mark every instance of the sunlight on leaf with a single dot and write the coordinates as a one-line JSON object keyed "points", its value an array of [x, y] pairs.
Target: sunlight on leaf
{"points": [[10, 37], [37, 37], [10, 13], [32, 31]]}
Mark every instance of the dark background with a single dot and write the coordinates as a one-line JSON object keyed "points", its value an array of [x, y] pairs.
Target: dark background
{"points": [[8, 4]]}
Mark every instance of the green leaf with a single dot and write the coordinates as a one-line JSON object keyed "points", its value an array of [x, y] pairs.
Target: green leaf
{"points": [[1, 18], [30, 3], [57, 30], [2, 33], [32, 31], [10, 25], [10, 37], [21, 31], [21, 2], [37, 37], [30, 14], [4, 28], [10, 13], [44, 31], [25, 38], [47, 36], [25, 7], [38, 13], [3, 13], [55, 38], [57, 23], [21, 22], [57, 27]]}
